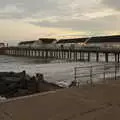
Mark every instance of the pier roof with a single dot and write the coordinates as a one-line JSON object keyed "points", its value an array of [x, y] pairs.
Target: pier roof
{"points": [[47, 40], [26, 42], [99, 39]]}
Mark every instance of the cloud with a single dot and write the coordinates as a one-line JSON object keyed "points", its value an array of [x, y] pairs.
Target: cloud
{"points": [[115, 4], [48, 8], [30, 7], [98, 24], [11, 11], [76, 15]]}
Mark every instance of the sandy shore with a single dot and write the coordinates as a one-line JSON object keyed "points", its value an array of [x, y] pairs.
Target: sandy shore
{"points": [[101, 102]]}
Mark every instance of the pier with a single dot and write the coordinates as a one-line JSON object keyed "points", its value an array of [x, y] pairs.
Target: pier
{"points": [[81, 54], [3, 50]]}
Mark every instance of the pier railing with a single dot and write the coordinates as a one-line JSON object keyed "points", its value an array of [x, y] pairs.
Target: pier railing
{"points": [[96, 73]]}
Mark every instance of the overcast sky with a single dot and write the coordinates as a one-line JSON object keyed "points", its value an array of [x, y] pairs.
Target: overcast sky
{"points": [[31, 19]]}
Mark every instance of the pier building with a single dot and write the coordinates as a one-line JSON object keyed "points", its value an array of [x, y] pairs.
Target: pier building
{"points": [[2, 45], [40, 43], [99, 41]]}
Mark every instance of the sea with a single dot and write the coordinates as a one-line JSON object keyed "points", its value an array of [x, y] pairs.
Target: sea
{"points": [[56, 71]]}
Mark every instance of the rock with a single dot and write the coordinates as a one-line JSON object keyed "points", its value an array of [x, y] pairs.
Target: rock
{"points": [[2, 99], [14, 84], [73, 84]]}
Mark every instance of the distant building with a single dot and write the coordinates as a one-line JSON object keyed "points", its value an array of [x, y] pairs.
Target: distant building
{"points": [[44, 43], [40, 43], [100, 41], [26, 44]]}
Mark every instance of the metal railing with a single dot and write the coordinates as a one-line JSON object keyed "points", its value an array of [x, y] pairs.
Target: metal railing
{"points": [[96, 73]]}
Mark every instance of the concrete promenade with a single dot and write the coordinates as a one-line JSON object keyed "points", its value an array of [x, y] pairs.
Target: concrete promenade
{"points": [[101, 102]]}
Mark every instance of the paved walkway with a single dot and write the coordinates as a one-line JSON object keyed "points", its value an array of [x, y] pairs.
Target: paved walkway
{"points": [[101, 102]]}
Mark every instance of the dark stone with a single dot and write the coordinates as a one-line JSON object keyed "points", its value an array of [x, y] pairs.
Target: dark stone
{"points": [[14, 84], [73, 84]]}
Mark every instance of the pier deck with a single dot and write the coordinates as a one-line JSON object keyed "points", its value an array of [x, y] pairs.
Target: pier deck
{"points": [[81, 54]]}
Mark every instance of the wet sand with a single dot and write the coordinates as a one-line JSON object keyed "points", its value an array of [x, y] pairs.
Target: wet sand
{"points": [[101, 102]]}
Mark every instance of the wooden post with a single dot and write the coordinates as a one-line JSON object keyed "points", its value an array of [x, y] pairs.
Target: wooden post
{"points": [[106, 57], [97, 57], [32, 53], [82, 56], [54, 53], [46, 54], [42, 54], [116, 71], [29, 52], [76, 55], [118, 57], [88, 56], [69, 54], [25, 52], [39, 53], [115, 57], [62, 53], [58, 53]]}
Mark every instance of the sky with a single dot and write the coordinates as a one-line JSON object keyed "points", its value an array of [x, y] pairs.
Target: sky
{"points": [[22, 20]]}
